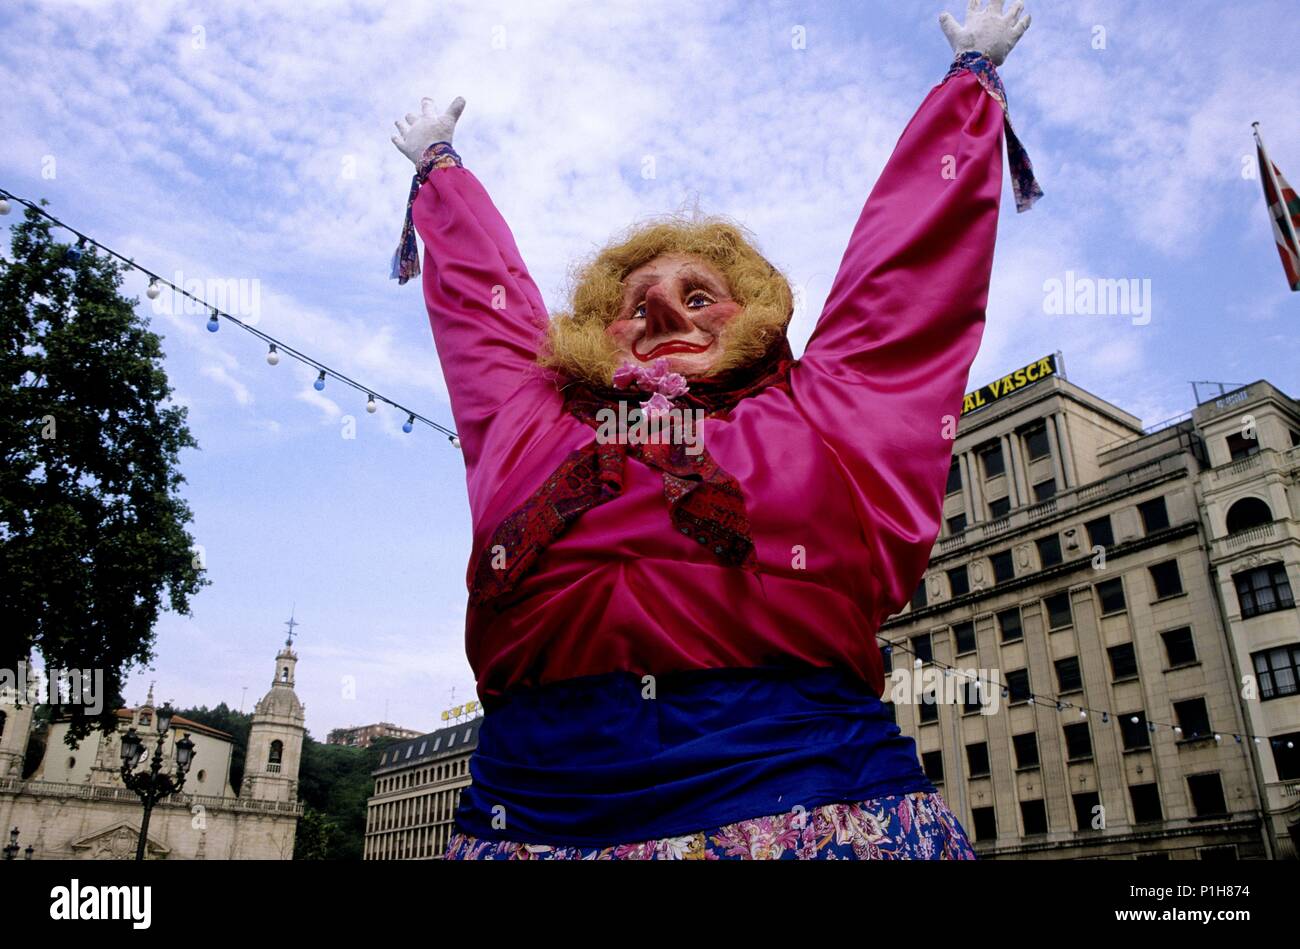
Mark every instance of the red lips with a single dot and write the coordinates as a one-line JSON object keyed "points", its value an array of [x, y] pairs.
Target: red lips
{"points": [[671, 347]]}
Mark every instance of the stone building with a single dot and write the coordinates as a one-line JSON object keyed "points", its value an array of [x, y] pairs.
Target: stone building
{"points": [[417, 788], [75, 806], [1122, 590], [362, 736]]}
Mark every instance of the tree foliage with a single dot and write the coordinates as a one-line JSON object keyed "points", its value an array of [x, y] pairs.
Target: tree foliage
{"points": [[93, 530]]}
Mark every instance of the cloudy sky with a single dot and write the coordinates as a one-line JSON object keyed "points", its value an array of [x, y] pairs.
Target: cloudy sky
{"points": [[250, 143]]}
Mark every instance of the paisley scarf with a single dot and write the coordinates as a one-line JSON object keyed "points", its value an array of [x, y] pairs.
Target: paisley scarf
{"points": [[704, 502]]}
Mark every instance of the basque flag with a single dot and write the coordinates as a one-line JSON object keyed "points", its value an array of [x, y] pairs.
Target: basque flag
{"points": [[1283, 212]]}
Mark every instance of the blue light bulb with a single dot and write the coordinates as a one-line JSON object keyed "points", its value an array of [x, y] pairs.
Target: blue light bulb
{"points": [[409, 425], [319, 384], [213, 323]]}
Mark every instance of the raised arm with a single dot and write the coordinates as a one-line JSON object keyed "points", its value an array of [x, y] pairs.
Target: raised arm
{"points": [[486, 312], [883, 375]]}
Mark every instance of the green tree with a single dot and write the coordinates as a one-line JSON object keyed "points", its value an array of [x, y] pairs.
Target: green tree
{"points": [[93, 538]]}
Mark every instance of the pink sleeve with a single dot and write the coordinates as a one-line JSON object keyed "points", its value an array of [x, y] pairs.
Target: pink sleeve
{"points": [[487, 315], [883, 376]]}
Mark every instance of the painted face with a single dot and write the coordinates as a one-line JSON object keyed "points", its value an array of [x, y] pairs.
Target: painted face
{"points": [[674, 307]]}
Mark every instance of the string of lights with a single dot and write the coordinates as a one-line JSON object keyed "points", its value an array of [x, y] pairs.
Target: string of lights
{"points": [[276, 347], [888, 646]]}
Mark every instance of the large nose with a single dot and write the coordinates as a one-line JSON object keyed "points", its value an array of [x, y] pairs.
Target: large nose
{"points": [[663, 317]]}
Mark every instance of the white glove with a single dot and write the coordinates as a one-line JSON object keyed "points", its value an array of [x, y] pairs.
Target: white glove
{"points": [[986, 31], [416, 133]]}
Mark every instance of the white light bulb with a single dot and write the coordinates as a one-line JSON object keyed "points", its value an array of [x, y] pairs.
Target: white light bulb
{"points": [[153, 291], [4, 206], [273, 356], [371, 406]]}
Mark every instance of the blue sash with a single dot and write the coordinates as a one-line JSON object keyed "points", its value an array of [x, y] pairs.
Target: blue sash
{"points": [[595, 761]]}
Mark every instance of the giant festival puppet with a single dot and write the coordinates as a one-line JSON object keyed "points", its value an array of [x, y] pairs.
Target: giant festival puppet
{"points": [[684, 539]]}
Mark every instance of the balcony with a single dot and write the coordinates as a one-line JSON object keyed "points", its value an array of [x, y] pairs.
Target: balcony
{"points": [[1264, 462], [1026, 518], [1259, 536]]}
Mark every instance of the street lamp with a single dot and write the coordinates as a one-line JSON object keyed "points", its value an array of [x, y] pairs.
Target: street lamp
{"points": [[11, 851], [152, 785]]}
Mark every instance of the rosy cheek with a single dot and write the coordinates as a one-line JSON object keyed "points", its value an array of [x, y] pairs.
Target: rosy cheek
{"points": [[625, 332], [714, 318]]}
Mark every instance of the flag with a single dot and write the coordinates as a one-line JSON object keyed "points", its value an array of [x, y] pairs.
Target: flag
{"points": [[1283, 213]]}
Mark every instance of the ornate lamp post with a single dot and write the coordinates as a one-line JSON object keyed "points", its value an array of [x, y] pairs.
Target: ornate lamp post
{"points": [[152, 785], [11, 851]]}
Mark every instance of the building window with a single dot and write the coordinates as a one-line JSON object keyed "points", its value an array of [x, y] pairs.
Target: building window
{"points": [[991, 457], [893, 711], [887, 659], [1068, 676], [1034, 814], [1036, 443], [1058, 610], [1166, 579], [1247, 513], [1287, 759], [1004, 568], [1049, 550], [1123, 662], [932, 764], [1026, 747], [954, 477], [922, 648], [1180, 648], [977, 757], [918, 598], [1111, 595], [971, 698], [276, 755], [1078, 741], [1087, 807], [1045, 489], [958, 581], [999, 507], [1017, 683], [1278, 670], [985, 821], [956, 523], [1155, 517], [1239, 446], [1226, 852], [964, 634], [1100, 533], [929, 707], [1263, 590], [1146, 803], [1207, 794], [1009, 625], [1193, 718], [1133, 726]]}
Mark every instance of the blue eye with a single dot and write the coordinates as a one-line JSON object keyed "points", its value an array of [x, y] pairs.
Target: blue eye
{"points": [[639, 312], [700, 298]]}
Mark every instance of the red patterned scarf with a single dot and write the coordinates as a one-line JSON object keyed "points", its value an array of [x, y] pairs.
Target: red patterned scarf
{"points": [[705, 503]]}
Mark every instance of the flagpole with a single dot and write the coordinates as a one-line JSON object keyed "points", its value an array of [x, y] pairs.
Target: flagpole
{"points": [[1277, 189]]}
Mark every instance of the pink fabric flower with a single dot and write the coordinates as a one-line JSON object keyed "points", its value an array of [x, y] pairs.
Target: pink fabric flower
{"points": [[625, 375], [656, 405], [657, 378]]}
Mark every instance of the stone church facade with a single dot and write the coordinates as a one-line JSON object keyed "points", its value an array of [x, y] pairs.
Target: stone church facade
{"points": [[75, 806]]}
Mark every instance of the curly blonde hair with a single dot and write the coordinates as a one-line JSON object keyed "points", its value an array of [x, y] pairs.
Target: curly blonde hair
{"points": [[576, 342]]}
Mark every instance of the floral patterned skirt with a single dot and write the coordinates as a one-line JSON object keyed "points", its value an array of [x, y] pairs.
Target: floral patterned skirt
{"points": [[917, 826]]}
